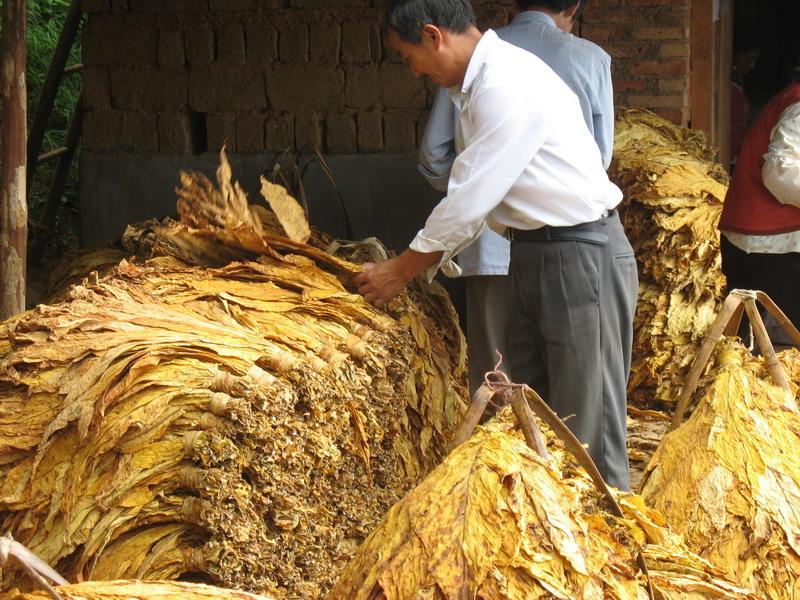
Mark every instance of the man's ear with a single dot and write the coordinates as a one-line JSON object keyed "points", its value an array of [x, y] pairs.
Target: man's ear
{"points": [[570, 11], [432, 36]]}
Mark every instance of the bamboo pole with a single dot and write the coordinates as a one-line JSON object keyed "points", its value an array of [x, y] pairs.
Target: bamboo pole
{"points": [[13, 206]]}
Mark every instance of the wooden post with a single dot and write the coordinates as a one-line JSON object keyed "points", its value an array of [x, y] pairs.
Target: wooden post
{"points": [[13, 206]]}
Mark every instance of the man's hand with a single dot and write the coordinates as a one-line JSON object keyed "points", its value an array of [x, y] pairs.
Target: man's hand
{"points": [[380, 282]]}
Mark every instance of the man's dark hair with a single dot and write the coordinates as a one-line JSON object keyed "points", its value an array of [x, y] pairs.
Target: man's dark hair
{"points": [[555, 6], [408, 17]]}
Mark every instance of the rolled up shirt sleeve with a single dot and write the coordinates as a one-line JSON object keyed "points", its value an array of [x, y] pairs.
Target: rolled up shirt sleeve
{"points": [[505, 135], [437, 148], [781, 170]]}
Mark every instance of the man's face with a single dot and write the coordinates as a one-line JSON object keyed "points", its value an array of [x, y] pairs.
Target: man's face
{"points": [[425, 59]]}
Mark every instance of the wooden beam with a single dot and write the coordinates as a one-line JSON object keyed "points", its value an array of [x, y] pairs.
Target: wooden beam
{"points": [[13, 206], [50, 87], [702, 65]]}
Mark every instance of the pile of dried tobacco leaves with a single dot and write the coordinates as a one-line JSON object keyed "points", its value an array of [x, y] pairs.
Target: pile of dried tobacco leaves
{"points": [[221, 407], [497, 521], [136, 590], [674, 192], [728, 478]]}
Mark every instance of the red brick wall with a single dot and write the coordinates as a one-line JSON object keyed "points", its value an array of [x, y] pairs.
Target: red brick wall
{"points": [[270, 74], [648, 41]]}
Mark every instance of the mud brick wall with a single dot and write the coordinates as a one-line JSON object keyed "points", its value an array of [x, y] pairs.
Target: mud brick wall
{"points": [[184, 76], [167, 82]]}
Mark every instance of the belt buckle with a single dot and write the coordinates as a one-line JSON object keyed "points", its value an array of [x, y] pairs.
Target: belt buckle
{"points": [[510, 234]]}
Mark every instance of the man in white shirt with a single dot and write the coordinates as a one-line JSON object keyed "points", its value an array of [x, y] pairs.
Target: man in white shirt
{"points": [[542, 27], [531, 169]]}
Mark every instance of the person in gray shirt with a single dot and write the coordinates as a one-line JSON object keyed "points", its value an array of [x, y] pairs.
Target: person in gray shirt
{"points": [[543, 27]]}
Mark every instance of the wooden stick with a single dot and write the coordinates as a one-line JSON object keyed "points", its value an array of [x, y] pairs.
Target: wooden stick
{"points": [[776, 312], [760, 333], [527, 422], [480, 399], [729, 309], [732, 328]]}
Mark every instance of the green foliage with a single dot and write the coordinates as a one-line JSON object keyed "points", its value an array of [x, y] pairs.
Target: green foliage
{"points": [[45, 21]]}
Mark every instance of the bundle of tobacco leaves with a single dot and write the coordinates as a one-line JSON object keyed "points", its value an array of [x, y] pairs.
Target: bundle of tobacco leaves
{"points": [[497, 521], [674, 193], [728, 478], [136, 590], [219, 406]]}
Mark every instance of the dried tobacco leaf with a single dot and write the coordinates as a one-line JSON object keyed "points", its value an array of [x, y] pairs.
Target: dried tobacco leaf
{"points": [[136, 590], [674, 193], [290, 214], [728, 478], [246, 424], [496, 521]]}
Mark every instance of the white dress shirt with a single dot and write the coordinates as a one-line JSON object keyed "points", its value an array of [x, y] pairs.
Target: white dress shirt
{"points": [[781, 176], [584, 67], [529, 159]]}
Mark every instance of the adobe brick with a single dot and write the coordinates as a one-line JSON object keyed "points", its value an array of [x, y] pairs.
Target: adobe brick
{"points": [[230, 45], [293, 87], [120, 40], [279, 132], [596, 33], [102, 130], [139, 132], [89, 6], [675, 49], [308, 133], [328, 3], [148, 88], [168, 5], [199, 44], [660, 67], [171, 49], [657, 101], [250, 132], [293, 43], [672, 86], [233, 4], [660, 33], [325, 41], [96, 87], [362, 87], [356, 42], [400, 88], [174, 133], [627, 85], [340, 133], [262, 43], [222, 88], [221, 131], [370, 131], [120, 5], [400, 131]]}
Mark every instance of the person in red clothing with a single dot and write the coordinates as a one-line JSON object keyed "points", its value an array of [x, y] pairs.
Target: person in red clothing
{"points": [[760, 223]]}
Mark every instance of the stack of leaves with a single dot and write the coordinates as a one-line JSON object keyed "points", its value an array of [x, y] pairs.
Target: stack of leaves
{"points": [[729, 477], [136, 590], [245, 424], [496, 521], [674, 193]]}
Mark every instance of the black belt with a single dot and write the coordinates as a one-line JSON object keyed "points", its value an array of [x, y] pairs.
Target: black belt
{"points": [[584, 232]]}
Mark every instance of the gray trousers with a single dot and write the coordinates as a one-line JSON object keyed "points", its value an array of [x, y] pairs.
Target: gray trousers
{"points": [[570, 333], [487, 317]]}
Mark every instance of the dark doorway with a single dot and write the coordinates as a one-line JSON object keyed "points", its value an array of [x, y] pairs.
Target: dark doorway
{"points": [[772, 27]]}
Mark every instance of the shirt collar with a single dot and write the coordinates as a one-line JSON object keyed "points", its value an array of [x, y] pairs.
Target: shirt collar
{"points": [[534, 16], [482, 49]]}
